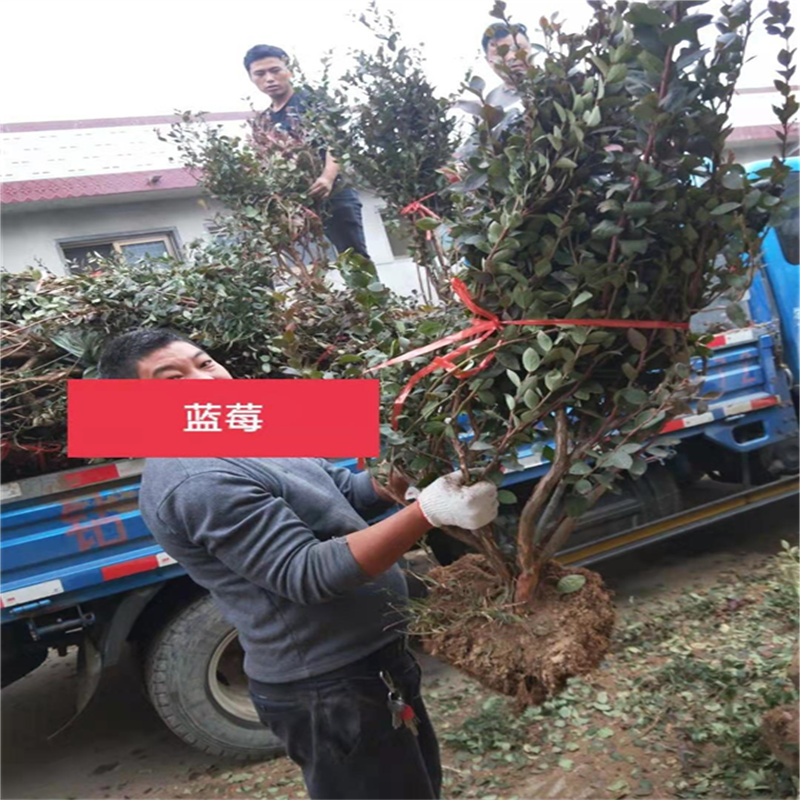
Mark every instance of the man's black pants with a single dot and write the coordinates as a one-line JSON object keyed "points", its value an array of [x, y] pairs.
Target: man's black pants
{"points": [[338, 728], [344, 225]]}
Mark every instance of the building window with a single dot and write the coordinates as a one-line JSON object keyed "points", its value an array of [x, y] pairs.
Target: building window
{"points": [[131, 249]]}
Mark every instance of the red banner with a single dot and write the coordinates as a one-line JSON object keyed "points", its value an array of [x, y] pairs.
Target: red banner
{"points": [[223, 418]]}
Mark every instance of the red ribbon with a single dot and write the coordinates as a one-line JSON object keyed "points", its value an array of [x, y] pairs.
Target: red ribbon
{"points": [[417, 207], [485, 325]]}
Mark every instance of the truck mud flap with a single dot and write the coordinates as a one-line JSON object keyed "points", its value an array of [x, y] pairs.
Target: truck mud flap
{"points": [[90, 670]]}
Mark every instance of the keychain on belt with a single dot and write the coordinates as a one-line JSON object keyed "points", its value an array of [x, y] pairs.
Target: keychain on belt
{"points": [[402, 713]]}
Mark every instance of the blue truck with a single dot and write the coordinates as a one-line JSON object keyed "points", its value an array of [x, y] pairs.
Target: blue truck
{"points": [[79, 567]]}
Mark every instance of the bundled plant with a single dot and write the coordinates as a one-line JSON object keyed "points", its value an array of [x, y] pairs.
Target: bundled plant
{"points": [[592, 227], [262, 179], [389, 128]]}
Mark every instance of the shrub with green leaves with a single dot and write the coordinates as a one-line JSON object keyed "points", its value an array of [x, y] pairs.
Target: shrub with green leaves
{"points": [[610, 196], [262, 178], [389, 128]]}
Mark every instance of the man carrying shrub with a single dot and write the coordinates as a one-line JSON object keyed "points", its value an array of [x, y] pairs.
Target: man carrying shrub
{"points": [[268, 69], [314, 591]]}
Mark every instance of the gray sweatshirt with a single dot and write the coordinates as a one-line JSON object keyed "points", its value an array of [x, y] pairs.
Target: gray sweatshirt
{"points": [[261, 535]]}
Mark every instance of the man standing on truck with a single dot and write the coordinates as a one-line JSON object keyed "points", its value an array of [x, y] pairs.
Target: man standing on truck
{"points": [[313, 590], [506, 48], [268, 68]]}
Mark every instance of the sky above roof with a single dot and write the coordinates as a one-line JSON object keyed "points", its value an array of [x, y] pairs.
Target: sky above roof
{"points": [[79, 59]]}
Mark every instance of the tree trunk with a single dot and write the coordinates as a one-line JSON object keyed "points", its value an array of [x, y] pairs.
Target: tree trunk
{"points": [[530, 534]]}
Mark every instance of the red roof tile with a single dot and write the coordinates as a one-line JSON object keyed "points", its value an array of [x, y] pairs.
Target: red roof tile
{"points": [[96, 185]]}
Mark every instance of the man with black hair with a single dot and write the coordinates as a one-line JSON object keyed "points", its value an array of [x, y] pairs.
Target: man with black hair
{"points": [[314, 592], [268, 68], [506, 48]]}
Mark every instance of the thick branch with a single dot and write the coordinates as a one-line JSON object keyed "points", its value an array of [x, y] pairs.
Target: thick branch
{"points": [[541, 494]]}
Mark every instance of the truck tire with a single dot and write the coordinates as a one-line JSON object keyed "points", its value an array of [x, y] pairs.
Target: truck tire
{"points": [[194, 677]]}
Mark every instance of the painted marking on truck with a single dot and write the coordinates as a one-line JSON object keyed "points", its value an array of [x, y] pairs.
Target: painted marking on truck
{"points": [[729, 410], [733, 337], [688, 422], [108, 472], [88, 531], [27, 594], [165, 559], [136, 565]]}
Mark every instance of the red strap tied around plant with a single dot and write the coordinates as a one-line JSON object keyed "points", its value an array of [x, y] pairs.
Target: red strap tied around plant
{"points": [[483, 326], [419, 208]]}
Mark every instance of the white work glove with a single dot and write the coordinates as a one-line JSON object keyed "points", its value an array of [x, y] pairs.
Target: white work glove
{"points": [[448, 502]]}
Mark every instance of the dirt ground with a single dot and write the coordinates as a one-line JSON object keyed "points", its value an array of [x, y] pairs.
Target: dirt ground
{"points": [[608, 736]]}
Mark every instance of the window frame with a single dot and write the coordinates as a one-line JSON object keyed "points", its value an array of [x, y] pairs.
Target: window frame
{"points": [[169, 236]]}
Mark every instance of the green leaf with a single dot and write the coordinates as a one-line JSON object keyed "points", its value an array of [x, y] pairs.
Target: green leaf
{"points": [[582, 298], [636, 397], [544, 341], [593, 118], [494, 232], [542, 268], [617, 73], [427, 224], [507, 359], [637, 340], [580, 468], [553, 380], [724, 208], [638, 209], [616, 459], [644, 14], [531, 359], [570, 583], [514, 378], [629, 247], [576, 505], [733, 179], [583, 486], [506, 498], [565, 763], [638, 468], [531, 399], [606, 229], [736, 315], [565, 163], [630, 372]]}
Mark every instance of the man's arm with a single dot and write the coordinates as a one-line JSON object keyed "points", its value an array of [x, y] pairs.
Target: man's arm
{"points": [[364, 492], [323, 186], [259, 537]]}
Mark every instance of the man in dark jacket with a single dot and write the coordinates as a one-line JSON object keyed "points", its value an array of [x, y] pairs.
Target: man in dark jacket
{"points": [[268, 69], [314, 591]]}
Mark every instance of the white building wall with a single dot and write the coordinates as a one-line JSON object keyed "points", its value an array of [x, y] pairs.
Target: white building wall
{"points": [[32, 235]]}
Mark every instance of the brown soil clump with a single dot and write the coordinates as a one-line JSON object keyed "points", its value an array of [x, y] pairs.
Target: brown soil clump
{"points": [[781, 727], [524, 652], [794, 670]]}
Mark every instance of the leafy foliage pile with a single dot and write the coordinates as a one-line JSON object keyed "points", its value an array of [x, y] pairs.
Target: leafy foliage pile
{"points": [[54, 329], [609, 197]]}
